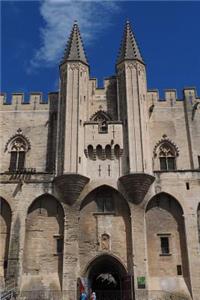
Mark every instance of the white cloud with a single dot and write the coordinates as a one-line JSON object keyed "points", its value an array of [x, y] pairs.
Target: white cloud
{"points": [[59, 16]]}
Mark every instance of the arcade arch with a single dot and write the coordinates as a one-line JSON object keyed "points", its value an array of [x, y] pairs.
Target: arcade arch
{"points": [[5, 225], [166, 240], [43, 255], [108, 277]]}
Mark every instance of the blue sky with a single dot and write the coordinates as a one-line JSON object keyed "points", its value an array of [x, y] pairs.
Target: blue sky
{"points": [[34, 34]]}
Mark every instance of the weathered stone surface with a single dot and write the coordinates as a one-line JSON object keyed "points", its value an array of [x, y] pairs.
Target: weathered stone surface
{"points": [[91, 196]]}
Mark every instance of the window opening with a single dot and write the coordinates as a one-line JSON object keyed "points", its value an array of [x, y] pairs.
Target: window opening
{"points": [[167, 158], [179, 270], [59, 245], [164, 243], [99, 151], [17, 155], [117, 151], [105, 202], [90, 152], [108, 151], [187, 185], [103, 127]]}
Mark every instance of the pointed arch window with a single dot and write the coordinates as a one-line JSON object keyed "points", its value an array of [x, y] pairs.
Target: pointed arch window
{"points": [[165, 154], [17, 146], [167, 157], [17, 154]]}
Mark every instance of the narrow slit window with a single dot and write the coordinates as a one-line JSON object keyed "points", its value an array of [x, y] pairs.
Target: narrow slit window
{"points": [[59, 245], [164, 244], [179, 270]]}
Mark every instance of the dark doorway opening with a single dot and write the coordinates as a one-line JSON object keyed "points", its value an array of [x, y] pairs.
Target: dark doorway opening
{"points": [[106, 276]]}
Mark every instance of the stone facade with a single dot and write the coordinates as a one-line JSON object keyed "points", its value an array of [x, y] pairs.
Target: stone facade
{"points": [[101, 187]]}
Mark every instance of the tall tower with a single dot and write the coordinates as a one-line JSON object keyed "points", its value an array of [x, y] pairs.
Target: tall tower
{"points": [[132, 107], [74, 80]]}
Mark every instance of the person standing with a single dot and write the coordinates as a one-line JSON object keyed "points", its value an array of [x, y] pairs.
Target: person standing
{"points": [[83, 296], [93, 296]]}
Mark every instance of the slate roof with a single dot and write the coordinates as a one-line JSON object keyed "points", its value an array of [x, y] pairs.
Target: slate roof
{"points": [[129, 49], [74, 50]]}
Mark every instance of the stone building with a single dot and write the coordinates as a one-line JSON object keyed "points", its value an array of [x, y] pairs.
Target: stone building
{"points": [[100, 187]]}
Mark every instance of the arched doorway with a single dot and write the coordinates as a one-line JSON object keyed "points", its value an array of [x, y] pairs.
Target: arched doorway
{"points": [[108, 278], [5, 224]]}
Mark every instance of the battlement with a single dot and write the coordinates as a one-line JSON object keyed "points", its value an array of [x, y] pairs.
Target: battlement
{"points": [[170, 96], [34, 102]]}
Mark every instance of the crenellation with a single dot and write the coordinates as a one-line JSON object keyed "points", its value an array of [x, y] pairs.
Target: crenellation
{"points": [[190, 95], [153, 96], [18, 102], [170, 96], [2, 98], [17, 98]]}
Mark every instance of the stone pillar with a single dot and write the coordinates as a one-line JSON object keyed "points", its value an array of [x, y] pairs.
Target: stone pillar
{"points": [[71, 253], [139, 250], [14, 248], [193, 249]]}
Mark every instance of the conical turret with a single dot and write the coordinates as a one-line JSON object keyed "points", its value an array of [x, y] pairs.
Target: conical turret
{"points": [[74, 50], [129, 49]]}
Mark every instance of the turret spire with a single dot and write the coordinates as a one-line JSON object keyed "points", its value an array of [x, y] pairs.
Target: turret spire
{"points": [[129, 49], [74, 50]]}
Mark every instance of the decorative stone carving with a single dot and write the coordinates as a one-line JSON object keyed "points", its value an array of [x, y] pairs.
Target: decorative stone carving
{"points": [[165, 139], [105, 242], [18, 140]]}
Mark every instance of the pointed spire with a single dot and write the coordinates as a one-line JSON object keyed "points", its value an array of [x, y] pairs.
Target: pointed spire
{"points": [[74, 50], [129, 49]]}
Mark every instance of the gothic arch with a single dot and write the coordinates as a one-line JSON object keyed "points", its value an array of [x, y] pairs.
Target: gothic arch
{"points": [[18, 136], [165, 155], [87, 197], [100, 116], [43, 196], [167, 141], [106, 275], [99, 257], [104, 211], [166, 238], [166, 195], [5, 227], [44, 234]]}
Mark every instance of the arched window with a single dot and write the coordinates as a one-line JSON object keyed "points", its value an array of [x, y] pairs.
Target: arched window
{"points": [[117, 151], [17, 154], [99, 151], [167, 157], [90, 152], [108, 151], [17, 146]]}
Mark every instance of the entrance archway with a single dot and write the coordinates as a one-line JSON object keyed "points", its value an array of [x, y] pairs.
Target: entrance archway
{"points": [[109, 279]]}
